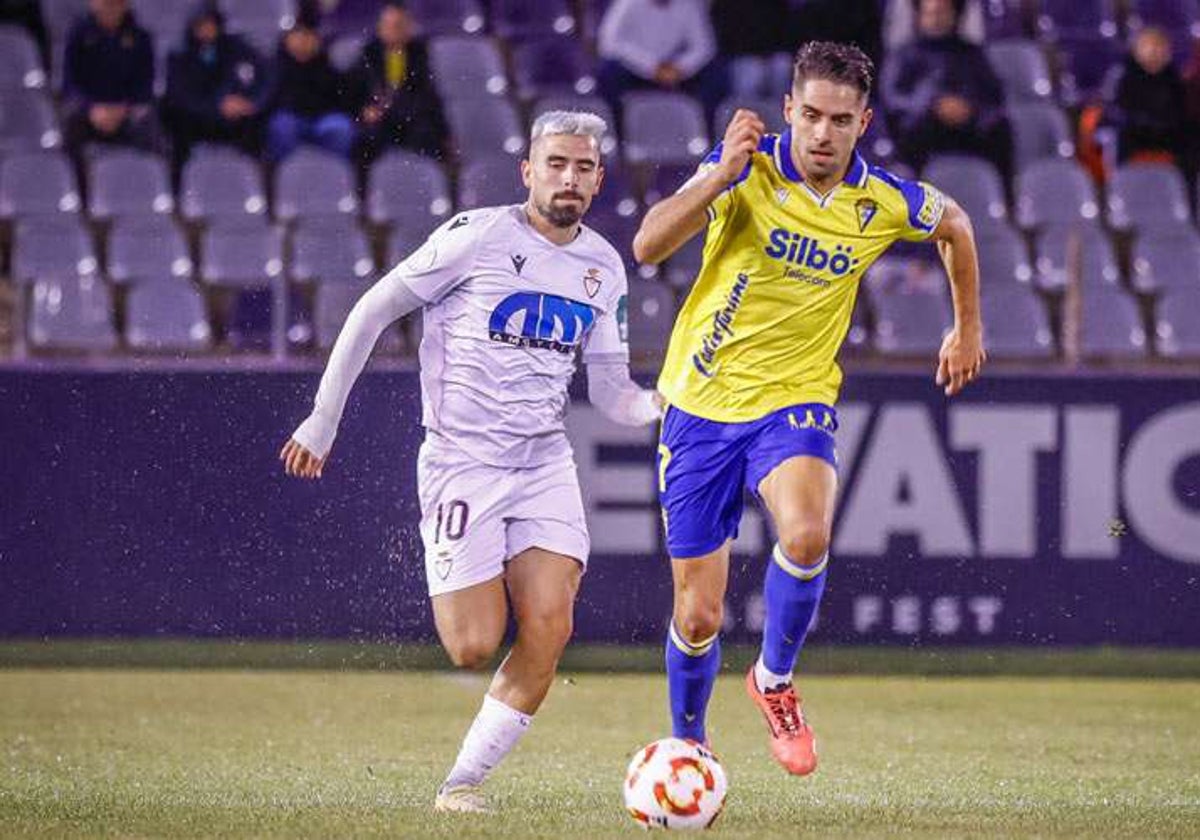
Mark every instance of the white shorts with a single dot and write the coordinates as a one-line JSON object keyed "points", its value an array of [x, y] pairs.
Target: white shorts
{"points": [[476, 517]]}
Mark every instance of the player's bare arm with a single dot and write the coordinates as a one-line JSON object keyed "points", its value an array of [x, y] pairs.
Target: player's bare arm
{"points": [[962, 354], [673, 221]]}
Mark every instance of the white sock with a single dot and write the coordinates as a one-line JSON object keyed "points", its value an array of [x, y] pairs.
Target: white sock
{"points": [[496, 730], [766, 679]]}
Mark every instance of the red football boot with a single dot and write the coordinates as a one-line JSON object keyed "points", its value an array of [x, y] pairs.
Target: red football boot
{"points": [[792, 741]]}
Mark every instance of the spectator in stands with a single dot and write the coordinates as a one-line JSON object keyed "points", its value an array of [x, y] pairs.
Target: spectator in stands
{"points": [[663, 44], [309, 95], [1191, 92], [1146, 101], [217, 86], [756, 41], [108, 79], [942, 95], [900, 22], [393, 89], [27, 13]]}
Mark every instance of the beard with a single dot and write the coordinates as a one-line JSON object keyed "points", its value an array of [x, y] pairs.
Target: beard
{"points": [[562, 215]]}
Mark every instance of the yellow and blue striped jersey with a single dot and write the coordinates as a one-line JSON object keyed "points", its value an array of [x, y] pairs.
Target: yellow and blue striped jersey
{"points": [[764, 320]]}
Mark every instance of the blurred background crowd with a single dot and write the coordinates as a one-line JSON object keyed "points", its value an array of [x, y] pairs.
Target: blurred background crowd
{"points": [[198, 177]]}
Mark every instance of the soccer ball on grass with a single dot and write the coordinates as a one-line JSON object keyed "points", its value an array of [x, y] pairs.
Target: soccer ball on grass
{"points": [[675, 784]]}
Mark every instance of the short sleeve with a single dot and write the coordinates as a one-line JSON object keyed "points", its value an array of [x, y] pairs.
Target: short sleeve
{"points": [[720, 206], [608, 339], [925, 205], [445, 259]]}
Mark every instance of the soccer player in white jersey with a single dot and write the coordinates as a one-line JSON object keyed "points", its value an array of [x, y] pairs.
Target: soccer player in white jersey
{"points": [[508, 295]]}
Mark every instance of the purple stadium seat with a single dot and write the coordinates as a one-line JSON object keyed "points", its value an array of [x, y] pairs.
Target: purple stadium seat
{"points": [[330, 251], [1003, 261], [1052, 191], [126, 182], [1003, 19], [344, 51], [1015, 324], [1086, 61], [1177, 328], [1167, 260], [483, 127], [448, 17], [466, 68], [1147, 195], [770, 110], [314, 183], [20, 63], [683, 266], [27, 122], [51, 246], [912, 311], [490, 181], [1110, 324], [166, 19], [517, 20], [147, 248], [244, 253], [221, 183], [1022, 68], [261, 22], [73, 313], [36, 183], [166, 317], [331, 304], [973, 182], [1040, 131], [408, 190], [551, 65], [619, 231], [617, 194], [651, 317], [1092, 18], [1096, 259], [664, 128], [663, 181]]}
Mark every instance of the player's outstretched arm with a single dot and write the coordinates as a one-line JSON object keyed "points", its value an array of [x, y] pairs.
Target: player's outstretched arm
{"points": [[962, 354], [676, 219], [304, 455], [618, 397]]}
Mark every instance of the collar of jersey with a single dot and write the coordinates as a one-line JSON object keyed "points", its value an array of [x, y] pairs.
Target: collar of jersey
{"points": [[856, 174]]}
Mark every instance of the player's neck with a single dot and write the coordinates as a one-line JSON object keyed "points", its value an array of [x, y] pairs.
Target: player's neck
{"points": [[557, 235], [816, 183]]}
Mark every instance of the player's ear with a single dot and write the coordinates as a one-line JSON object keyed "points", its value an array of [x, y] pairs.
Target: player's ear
{"points": [[599, 177], [867, 116], [527, 174], [788, 107]]}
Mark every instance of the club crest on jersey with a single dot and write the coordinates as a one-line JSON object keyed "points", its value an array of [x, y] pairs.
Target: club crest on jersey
{"points": [[866, 209], [591, 282], [540, 321], [518, 262], [781, 195]]}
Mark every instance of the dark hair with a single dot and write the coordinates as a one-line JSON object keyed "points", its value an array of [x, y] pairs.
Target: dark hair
{"points": [[844, 64]]}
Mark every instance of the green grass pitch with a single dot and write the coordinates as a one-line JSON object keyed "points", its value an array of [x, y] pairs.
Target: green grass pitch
{"points": [[347, 753]]}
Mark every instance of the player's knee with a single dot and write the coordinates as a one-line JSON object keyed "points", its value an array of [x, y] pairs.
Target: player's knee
{"points": [[699, 620], [471, 654], [804, 543], [550, 628]]}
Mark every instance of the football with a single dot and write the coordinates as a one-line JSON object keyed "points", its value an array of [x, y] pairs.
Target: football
{"points": [[675, 784]]}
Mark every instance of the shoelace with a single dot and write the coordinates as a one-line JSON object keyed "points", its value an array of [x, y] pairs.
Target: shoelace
{"points": [[785, 710]]}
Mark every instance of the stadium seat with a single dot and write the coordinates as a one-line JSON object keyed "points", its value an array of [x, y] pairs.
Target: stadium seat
{"points": [[1097, 262], [166, 19], [1003, 19], [1177, 328], [1085, 63], [72, 312], [1147, 195], [166, 316], [448, 17], [1110, 324], [1167, 261], [879, 148], [244, 253], [1015, 324], [147, 248], [1003, 260], [345, 50], [466, 68], [909, 322], [1040, 132], [51, 246], [617, 193], [1057, 18], [331, 304], [481, 127], [651, 317], [400, 243], [518, 20], [551, 65], [663, 128], [683, 266], [27, 122], [770, 110], [594, 104], [20, 63], [330, 251], [221, 183], [261, 22], [490, 181], [125, 182], [973, 182], [34, 183], [314, 183], [619, 231], [1050, 191], [1022, 68], [407, 189], [663, 181]]}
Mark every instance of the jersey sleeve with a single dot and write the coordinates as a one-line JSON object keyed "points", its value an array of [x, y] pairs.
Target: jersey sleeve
{"points": [[445, 259], [608, 340], [924, 205], [721, 205]]}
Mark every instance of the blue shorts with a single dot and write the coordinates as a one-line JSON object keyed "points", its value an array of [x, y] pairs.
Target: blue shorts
{"points": [[703, 467]]}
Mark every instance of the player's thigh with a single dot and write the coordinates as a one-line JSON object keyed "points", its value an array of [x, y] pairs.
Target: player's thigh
{"points": [[542, 586], [800, 494], [700, 584], [470, 622]]}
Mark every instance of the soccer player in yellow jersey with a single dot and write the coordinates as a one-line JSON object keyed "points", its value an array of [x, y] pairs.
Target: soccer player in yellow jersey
{"points": [[793, 221]]}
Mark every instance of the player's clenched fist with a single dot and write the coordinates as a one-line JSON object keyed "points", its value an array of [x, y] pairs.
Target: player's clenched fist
{"points": [[742, 137], [299, 462]]}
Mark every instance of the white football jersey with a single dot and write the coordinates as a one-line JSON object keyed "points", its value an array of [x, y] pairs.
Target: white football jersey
{"points": [[505, 311]]}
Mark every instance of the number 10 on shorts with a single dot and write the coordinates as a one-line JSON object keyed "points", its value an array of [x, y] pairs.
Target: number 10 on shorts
{"points": [[452, 516]]}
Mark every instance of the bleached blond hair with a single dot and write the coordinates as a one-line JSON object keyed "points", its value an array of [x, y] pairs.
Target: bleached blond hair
{"points": [[577, 123]]}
